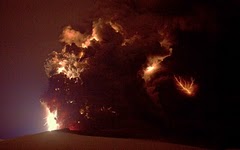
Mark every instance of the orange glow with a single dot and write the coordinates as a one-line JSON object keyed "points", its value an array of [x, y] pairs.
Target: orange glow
{"points": [[154, 62], [81, 54], [154, 65], [187, 87], [61, 69], [86, 43], [95, 35], [65, 63], [91, 38], [150, 69], [116, 27], [130, 40], [69, 36]]}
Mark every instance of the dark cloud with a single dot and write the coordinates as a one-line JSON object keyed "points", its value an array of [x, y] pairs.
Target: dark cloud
{"points": [[114, 87]]}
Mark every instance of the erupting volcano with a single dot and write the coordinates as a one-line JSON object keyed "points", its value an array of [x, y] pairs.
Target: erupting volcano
{"points": [[118, 65]]}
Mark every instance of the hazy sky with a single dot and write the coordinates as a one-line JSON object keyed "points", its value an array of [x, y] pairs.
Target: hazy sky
{"points": [[29, 31]]}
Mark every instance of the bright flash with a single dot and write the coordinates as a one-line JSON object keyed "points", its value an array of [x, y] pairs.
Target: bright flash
{"points": [[188, 87], [61, 69], [150, 69], [51, 119]]}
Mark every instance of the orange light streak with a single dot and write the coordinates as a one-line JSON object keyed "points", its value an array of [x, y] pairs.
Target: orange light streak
{"points": [[187, 87]]}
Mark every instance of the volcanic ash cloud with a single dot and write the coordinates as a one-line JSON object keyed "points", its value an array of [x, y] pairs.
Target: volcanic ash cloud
{"points": [[100, 75]]}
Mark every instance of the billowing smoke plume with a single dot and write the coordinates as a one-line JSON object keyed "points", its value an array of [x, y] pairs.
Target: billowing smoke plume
{"points": [[122, 67]]}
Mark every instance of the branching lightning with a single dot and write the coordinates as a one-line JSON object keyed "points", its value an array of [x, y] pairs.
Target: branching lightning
{"points": [[186, 86]]}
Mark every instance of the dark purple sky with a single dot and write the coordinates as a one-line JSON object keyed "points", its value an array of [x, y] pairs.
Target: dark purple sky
{"points": [[29, 31]]}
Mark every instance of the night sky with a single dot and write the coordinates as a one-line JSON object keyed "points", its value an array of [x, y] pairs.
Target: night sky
{"points": [[31, 30]]}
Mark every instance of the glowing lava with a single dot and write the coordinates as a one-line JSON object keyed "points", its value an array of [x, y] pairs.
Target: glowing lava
{"points": [[187, 87], [51, 119]]}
